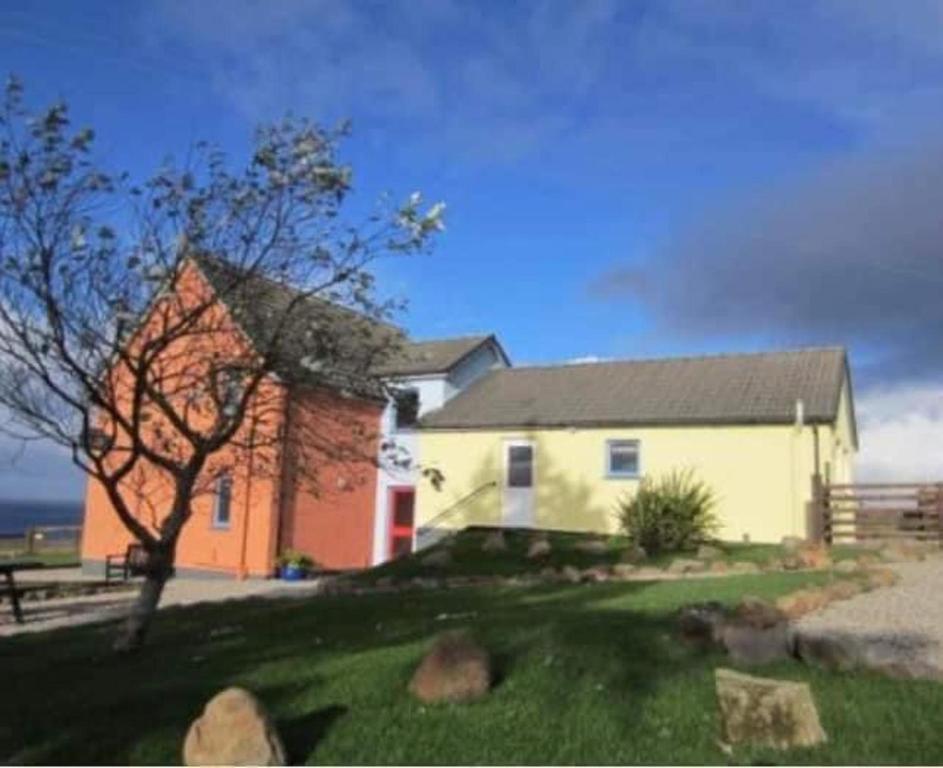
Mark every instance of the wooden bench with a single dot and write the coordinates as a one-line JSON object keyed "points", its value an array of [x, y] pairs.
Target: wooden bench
{"points": [[132, 562], [10, 589]]}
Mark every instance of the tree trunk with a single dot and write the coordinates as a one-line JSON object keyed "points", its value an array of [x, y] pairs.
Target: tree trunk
{"points": [[135, 627]]}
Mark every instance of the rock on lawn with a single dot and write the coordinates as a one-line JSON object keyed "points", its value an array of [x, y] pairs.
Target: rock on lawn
{"points": [[455, 669], [234, 729], [764, 712]]}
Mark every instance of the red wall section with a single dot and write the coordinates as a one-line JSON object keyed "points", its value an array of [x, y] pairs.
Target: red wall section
{"points": [[330, 483]]}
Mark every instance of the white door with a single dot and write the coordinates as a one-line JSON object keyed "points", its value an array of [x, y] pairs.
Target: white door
{"points": [[519, 484]]}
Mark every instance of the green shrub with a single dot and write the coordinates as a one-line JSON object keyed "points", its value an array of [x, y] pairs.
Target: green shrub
{"points": [[291, 557], [670, 513]]}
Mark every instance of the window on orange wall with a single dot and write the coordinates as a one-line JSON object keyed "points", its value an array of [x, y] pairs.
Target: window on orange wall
{"points": [[222, 501]]}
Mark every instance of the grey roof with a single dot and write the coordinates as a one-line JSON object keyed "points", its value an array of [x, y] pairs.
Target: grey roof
{"points": [[434, 356], [359, 350], [730, 389]]}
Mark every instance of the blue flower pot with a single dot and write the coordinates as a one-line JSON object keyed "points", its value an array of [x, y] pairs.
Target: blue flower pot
{"points": [[292, 573]]}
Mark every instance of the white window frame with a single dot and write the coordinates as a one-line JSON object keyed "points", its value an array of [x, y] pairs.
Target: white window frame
{"points": [[224, 478], [622, 475]]}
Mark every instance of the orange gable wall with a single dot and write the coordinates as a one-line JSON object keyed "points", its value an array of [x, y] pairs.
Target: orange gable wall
{"points": [[328, 506], [326, 513], [248, 545]]}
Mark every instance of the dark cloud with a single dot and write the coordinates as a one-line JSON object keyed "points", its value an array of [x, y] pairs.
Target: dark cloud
{"points": [[852, 255]]}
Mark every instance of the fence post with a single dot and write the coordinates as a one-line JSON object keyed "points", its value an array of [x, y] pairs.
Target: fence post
{"points": [[29, 535]]}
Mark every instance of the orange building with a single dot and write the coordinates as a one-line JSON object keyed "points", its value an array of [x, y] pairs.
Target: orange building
{"points": [[320, 487]]}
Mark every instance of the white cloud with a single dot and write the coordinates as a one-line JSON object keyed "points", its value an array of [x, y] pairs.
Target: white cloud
{"points": [[901, 434]]}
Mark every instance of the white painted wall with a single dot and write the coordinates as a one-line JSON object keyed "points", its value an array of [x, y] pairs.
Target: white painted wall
{"points": [[434, 392]]}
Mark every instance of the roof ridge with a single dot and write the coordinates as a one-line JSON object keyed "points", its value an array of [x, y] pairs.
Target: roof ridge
{"points": [[679, 358]]}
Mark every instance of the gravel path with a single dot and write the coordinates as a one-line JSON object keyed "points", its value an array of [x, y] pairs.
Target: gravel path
{"points": [[42, 615], [898, 629]]}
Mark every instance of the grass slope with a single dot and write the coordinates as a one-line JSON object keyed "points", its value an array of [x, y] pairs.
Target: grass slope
{"points": [[587, 674]]}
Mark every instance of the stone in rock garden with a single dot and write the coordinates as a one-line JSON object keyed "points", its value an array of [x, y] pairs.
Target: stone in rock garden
{"points": [[384, 582], [787, 563], [801, 602], [437, 558], [846, 566], [813, 556], [701, 623], [549, 573], [763, 712], [843, 590], [867, 560], [708, 552], [649, 572], [882, 577], [494, 542], [234, 729], [682, 565], [538, 548], [592, 547], [840, 651], [455, 669], [719, 566], [622, 571], [596, 574], [757, 613], [747, 644], [571, 574], [744, 566], [634, 554]]}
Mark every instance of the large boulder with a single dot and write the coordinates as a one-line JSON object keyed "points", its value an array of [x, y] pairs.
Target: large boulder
{"points": [[539, 547], [234, 729], [701, 624], [454, 669], [759, 711], [494, 542], [748, 644], [895, 656]]}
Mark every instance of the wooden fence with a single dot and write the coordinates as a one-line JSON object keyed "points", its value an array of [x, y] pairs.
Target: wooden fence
{"points": [[877, 511]]}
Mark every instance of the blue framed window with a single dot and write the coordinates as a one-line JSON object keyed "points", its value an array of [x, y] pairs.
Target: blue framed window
{"points": [[222, 501], [622, 458]]}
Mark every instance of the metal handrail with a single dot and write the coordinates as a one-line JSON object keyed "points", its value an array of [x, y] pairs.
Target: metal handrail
{"points": [[466, 498]]}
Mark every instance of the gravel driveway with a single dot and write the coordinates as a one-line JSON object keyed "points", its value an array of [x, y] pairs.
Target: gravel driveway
{"points": [[69, 611], [896, 629]]}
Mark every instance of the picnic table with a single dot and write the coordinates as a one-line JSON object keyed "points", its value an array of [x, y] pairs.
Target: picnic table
{"points": [[8, 570]]}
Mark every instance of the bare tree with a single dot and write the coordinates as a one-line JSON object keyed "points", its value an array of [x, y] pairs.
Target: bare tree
{"points": [[155, 330]]}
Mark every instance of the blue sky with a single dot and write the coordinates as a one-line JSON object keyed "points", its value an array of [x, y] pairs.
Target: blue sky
{"points": [[622, 178]]}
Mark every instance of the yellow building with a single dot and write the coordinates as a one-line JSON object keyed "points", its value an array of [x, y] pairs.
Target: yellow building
{"points": [[557, 447]]}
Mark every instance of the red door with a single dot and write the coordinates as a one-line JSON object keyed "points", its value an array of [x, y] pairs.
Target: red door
{"points": [[402, 504]]}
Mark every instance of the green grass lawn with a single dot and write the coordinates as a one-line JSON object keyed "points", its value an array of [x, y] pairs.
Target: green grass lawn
{"points": [[586, 674], [468, 558]]}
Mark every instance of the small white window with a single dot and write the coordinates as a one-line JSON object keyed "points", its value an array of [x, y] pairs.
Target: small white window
{"points": [[622, 458], [222, 502]]}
